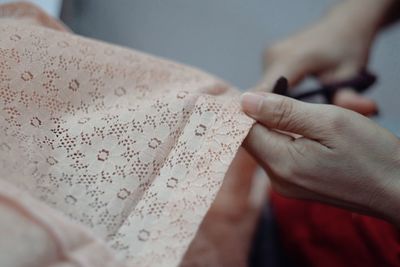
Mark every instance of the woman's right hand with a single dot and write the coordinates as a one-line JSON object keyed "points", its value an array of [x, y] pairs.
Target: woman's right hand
{"points": [[335, 48], [338, 157]]}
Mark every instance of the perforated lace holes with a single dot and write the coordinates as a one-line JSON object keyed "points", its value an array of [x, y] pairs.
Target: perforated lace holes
{"points": [[123, 193], [73, 85], [200, 130], [182, 94], [36, 122], [154, 143], [51, 161], [103, 155], [15, 37], [143, 235], [70, 199], [172, 182], [26, 76], [120, 91]]}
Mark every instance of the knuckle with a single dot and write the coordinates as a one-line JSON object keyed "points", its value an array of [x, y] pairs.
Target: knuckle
{"points": [[338, 118], [282, 114]]}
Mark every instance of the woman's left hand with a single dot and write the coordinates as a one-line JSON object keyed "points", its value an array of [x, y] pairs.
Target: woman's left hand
{"points": [[325, 153]]}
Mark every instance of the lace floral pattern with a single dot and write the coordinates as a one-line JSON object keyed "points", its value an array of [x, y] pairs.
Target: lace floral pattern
{"points": [[131, 146]]}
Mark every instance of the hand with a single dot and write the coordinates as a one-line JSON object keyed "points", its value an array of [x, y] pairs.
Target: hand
{"points": [[335, 48], [337, 156]]}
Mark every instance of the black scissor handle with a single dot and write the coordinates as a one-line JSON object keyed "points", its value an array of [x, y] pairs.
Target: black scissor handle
{"points": [[360, 83]]}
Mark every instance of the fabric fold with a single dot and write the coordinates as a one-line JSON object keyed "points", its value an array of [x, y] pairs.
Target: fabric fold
{"points": [[129, 147]]}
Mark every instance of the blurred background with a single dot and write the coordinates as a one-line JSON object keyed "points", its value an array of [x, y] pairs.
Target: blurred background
{"points": [[225, 38]]}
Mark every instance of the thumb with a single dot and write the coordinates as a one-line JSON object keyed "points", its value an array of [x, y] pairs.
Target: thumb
{"points": [[279, 154], [268, 147], [287, 114]]}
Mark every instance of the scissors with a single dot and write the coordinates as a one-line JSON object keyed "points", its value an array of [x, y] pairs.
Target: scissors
{"points": [[360, 83]]}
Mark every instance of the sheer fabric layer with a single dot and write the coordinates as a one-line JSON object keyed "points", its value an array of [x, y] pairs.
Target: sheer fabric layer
{"points": [[125, 150]]}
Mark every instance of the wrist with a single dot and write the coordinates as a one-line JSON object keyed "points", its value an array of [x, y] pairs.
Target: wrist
{"points": [[389, 204], [390, 209]]}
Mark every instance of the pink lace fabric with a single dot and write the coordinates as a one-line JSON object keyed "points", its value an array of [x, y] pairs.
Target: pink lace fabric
{"points": [[108, 156]]}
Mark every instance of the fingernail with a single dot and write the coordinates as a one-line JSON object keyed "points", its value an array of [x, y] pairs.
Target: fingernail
{"points": [[251, 103]]}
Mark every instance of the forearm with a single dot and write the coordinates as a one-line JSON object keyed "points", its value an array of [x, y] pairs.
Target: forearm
{"points": [[366, 17]]}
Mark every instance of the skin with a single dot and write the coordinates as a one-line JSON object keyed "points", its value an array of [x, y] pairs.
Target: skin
{"points": [[335, 48], [336, 156], [321, 152]]}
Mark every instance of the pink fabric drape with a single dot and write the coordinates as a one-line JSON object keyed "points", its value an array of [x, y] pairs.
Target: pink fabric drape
{"points": [[108, 156]]}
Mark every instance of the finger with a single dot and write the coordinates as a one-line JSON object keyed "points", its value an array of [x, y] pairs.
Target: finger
{"points": [[349, 99], [267, 146], [281, 155], [294, 66], [287, 114], [288, 69]]}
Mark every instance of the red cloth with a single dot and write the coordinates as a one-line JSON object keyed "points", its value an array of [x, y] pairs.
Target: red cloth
{"points": [[314, 234]]}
